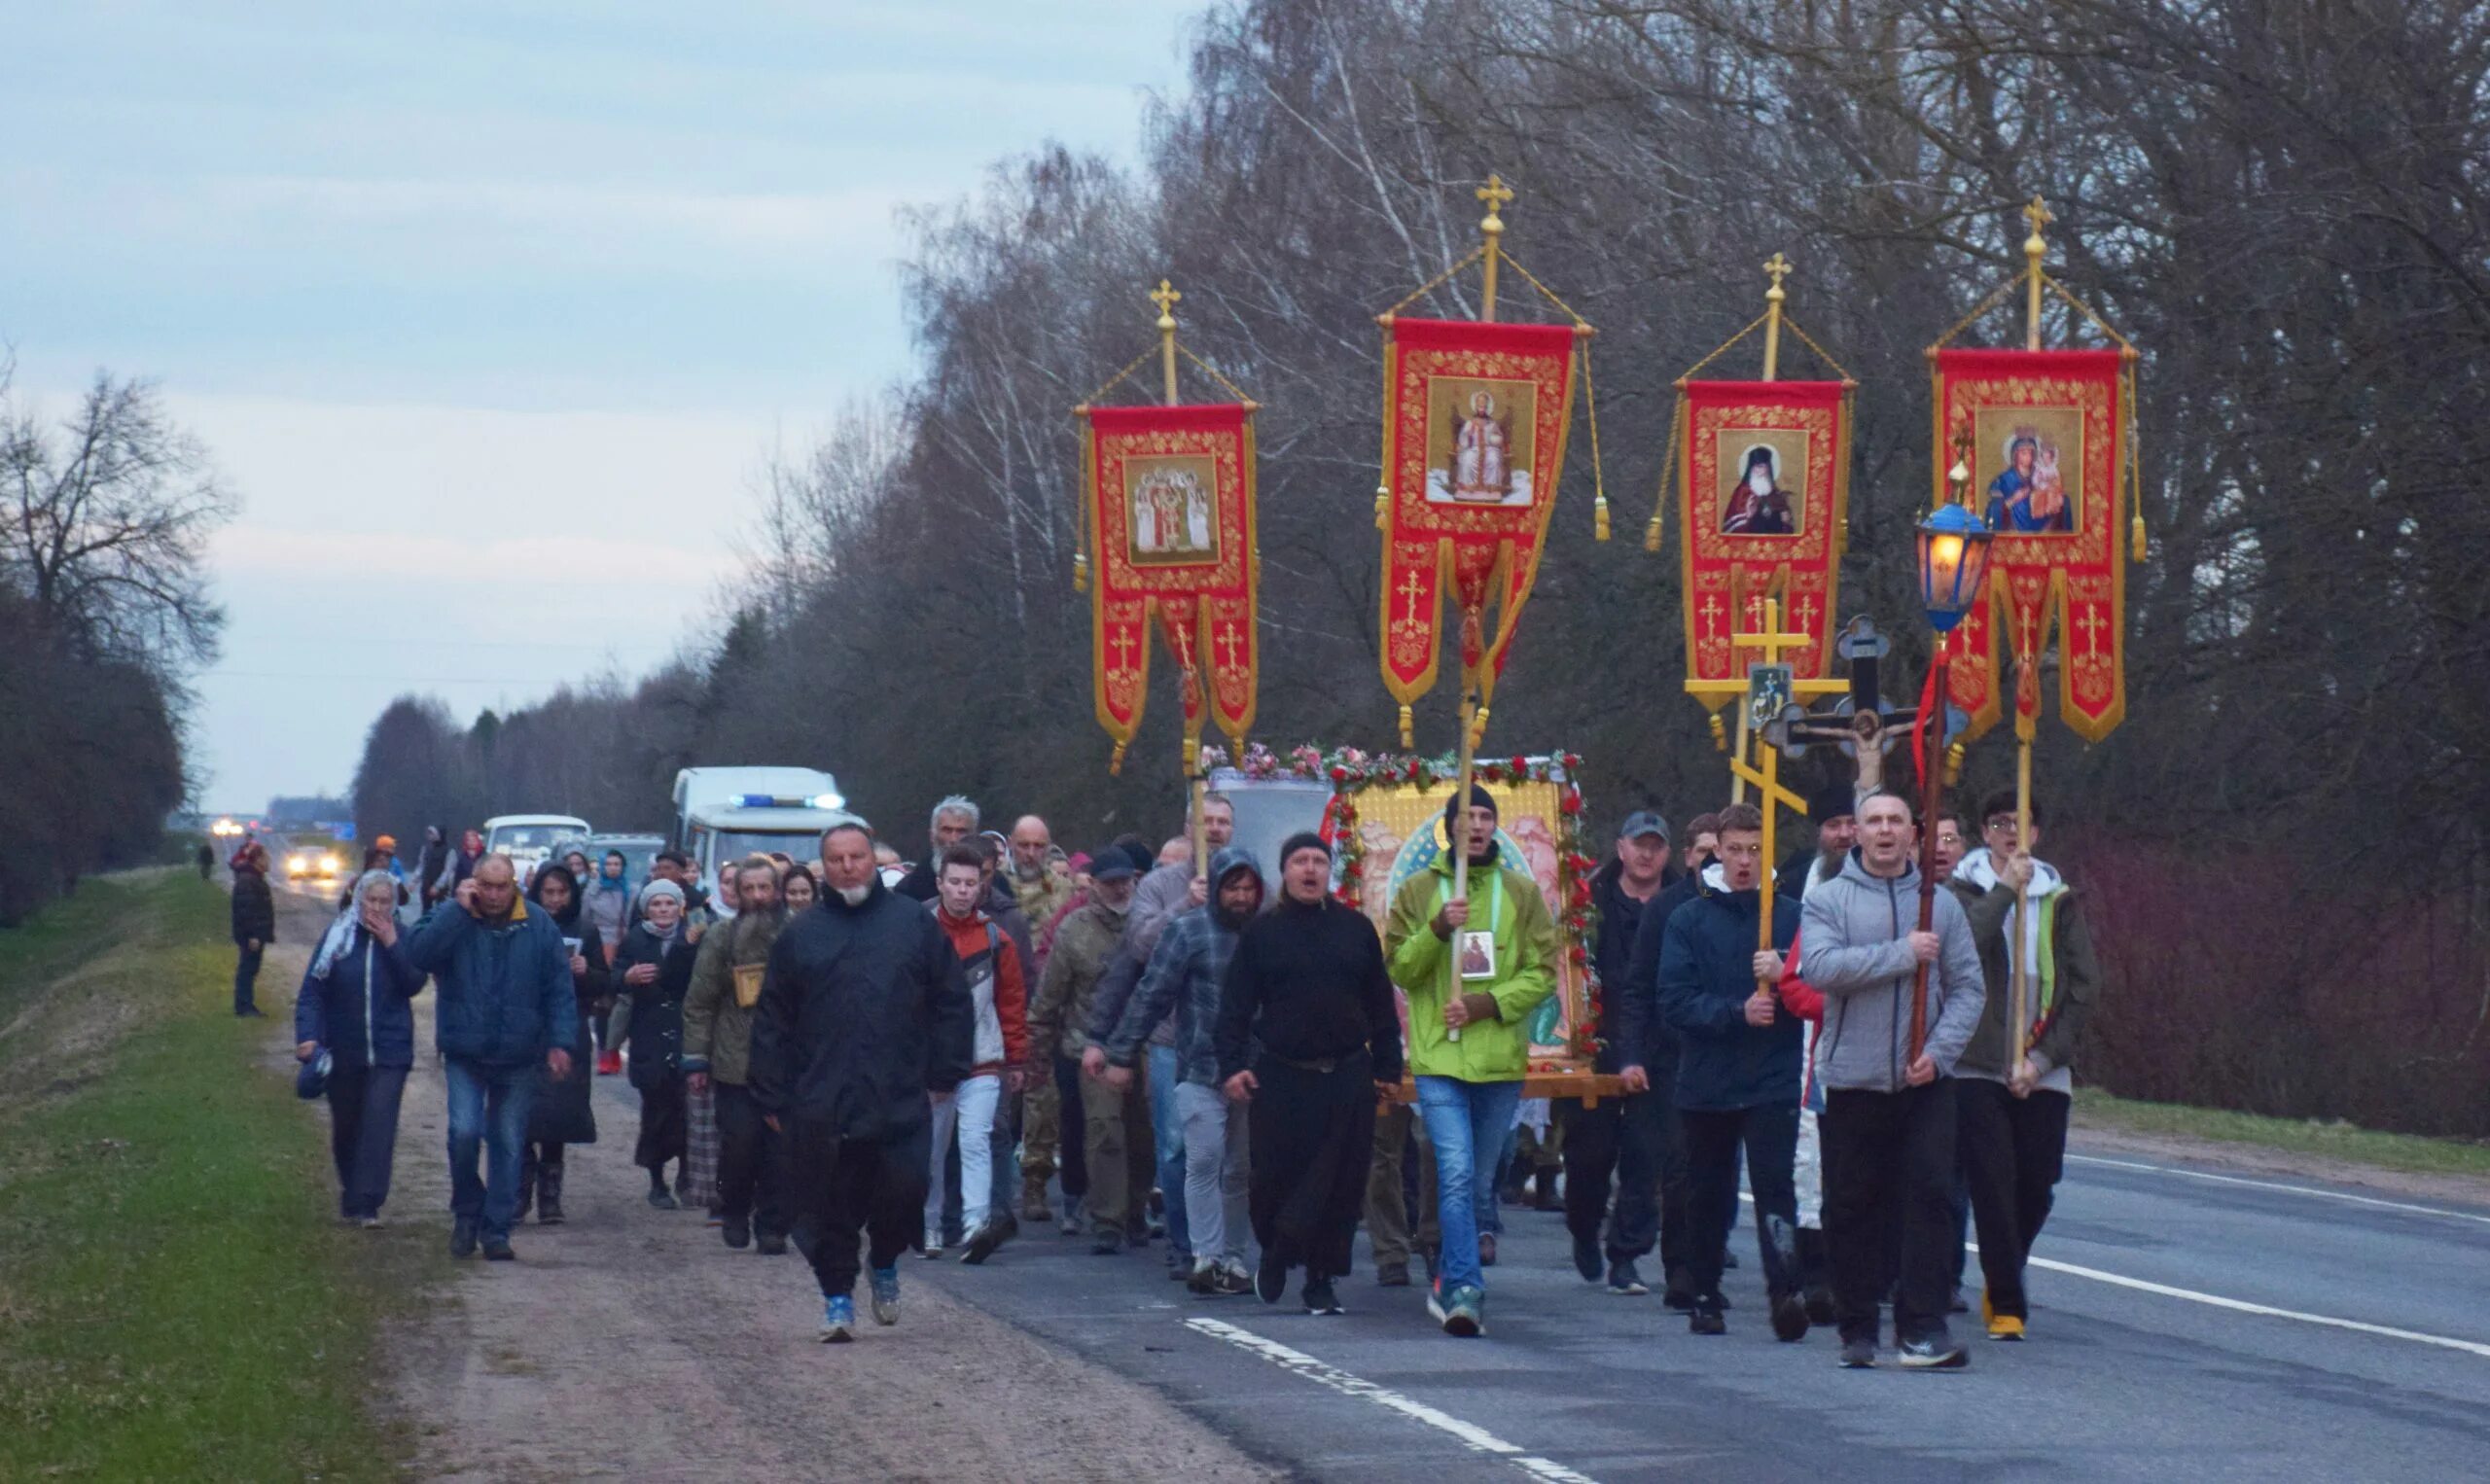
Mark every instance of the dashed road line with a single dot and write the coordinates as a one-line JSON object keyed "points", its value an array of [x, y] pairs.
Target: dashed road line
{"points": [[2274, 1184], [1323, 1373]]}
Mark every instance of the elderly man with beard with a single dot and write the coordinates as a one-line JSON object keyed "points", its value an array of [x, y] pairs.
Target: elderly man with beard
{"points": [[717, 1054], [1307, 1040], [1187, 971], [952, 821], [863, 1011]]}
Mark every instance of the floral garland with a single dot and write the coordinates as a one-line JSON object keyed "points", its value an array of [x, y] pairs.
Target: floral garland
{"points": [[1351, 771]]}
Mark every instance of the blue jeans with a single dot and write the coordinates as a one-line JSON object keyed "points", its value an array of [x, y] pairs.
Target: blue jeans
{"points": [[1466, 1124], [1167, 1133], [488, 1106]]}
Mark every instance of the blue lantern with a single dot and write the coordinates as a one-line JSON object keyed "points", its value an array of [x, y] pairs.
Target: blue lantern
{"points": [[1953, 564]]}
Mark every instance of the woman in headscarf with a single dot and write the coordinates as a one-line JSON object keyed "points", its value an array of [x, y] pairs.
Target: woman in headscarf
{"points": [[652, 973], [798, 889], [605, 899], [355, 1004], [563, 1113]]}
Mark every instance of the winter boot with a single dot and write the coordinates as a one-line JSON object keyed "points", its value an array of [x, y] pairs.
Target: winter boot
{"points": [[548, 1193], [1033, 1199]]}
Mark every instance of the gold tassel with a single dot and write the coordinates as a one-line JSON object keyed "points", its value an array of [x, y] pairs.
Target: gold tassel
{"points": [[1409, 738], [1382, 508], [1953, 764], [1599, 518], [2135, 532], [1479, 729], [1080, 572], [1720, 733], [1115, 763], [1651, 535]]}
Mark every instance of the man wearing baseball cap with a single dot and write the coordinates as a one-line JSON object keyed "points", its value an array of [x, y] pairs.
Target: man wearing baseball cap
{"points": [[1628, 1136]]}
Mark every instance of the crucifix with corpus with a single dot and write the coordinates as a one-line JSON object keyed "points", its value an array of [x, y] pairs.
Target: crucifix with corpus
{"points": [[1772, 693]]}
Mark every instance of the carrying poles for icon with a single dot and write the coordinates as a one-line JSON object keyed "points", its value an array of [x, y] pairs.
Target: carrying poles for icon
{"points": [[2047, 439], [1168, 507]]}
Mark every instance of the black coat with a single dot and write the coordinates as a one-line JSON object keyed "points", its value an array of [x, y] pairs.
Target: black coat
{"points": [[1631, 1016], [1612, 944], [864, 1010], [1707, 975], [254, 909], [565, 1112], [657, 1008]]}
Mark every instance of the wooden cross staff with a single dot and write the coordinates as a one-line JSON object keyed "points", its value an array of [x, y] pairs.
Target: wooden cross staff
{"points": [[1767, 778]]}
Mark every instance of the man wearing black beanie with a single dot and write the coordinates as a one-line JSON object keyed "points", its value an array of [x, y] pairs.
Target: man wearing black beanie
{"points": [[1308, 1038]]}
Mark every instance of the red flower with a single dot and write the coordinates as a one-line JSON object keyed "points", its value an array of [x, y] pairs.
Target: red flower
{"points": [[1571, 802], [1521, 766], [1339, 774]]}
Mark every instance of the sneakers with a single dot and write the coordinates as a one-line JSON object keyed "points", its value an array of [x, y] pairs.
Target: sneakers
{"points": [[1463, 1312], [1216, 1279], [736, 1234], [462, 1237], [1586, 1258], [368, 1222], [1392, 1275], [933, 1248], [1820, 1308], [1859, 1354], [1705, 1317], [989, 1236], [1934, 1350], [1319, 1298], [1623, 1281], [1789, 1318], [838, 1320], [885, 1281], [610, 1064], [1270, 1280], [663, 1200], [2004, 1327], [497, 1250]]}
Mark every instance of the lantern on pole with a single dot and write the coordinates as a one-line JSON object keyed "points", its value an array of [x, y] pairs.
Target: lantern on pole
{"points": [[1953, 581]]}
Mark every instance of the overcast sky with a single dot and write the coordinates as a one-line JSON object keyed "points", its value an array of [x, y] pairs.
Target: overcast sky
{"points": [[491, 312]]}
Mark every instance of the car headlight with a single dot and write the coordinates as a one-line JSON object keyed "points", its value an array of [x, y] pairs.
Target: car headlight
{"points": [[295, 863], [329, 866]]}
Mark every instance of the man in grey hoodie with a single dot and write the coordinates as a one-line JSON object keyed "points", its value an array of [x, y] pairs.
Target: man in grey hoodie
{"points": [[1889, 1118]]}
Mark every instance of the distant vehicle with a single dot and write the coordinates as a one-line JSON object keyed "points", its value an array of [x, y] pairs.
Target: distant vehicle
{"points": [[528, 838], [312, 864], [639, 851], [727, 813]]}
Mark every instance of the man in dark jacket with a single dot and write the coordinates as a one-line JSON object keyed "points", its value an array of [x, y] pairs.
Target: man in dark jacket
{"points": [[253, 921], [1307, 1038], [1630, 1136], [863, 1011], [2011, 1115], [1737, 1075], [717, 1055], [1631, 1019], [506, 1002], [953, 821]]}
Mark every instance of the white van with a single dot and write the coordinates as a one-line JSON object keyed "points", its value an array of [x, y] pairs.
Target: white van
{"points": [[529, 839]]}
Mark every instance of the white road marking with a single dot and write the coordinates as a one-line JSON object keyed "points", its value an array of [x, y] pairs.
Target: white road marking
{"points": [[1322, 1373], [2271, 1184]]}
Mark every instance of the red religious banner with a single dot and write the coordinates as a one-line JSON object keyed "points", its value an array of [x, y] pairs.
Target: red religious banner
{"points": [[2045, 435], [1763, 501], [1171, 509], [1474, 444]]}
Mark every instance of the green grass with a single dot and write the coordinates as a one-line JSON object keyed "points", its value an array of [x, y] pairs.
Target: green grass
{"points": [[2409, 1152], [173, 1303]]}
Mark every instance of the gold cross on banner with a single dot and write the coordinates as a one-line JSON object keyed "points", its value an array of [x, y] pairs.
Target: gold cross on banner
{"points": [[1122, 646], [1769, 640], [2092, 624], [1711, 613], [1410, 587], [1230, 639], [1805, 612]]}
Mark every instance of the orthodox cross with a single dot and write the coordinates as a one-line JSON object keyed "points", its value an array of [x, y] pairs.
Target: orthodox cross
{"points": [[1122, 646], [1495, 193], [2092, 623], [1166, 297], [1711, 613], [1230, 641], [1766, 779], [1869, 728], [1409, 589]]}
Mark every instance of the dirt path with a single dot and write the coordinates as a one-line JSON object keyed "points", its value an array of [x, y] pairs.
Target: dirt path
{"points": [[631, 1342]]}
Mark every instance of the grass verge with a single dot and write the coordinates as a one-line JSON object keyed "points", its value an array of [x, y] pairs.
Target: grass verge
{"points": [[2410, 1153], [171, 1304]]}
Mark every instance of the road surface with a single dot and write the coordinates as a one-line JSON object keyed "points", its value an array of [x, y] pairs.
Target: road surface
{"points": [[2190, 1323]]}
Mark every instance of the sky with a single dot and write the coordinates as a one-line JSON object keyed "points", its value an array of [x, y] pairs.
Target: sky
{"points": [[492, 315]]}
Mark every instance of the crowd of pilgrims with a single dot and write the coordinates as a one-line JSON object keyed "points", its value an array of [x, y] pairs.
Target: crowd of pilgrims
{"points": [[863, 1057]]}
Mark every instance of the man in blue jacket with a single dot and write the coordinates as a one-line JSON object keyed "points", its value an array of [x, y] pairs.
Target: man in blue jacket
{"points": [[1737, 1076], [506, 1002]]}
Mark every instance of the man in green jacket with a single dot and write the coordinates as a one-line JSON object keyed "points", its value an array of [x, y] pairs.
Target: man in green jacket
{"points": [[717, 1046], [1474, 966], [2012, 1117]]}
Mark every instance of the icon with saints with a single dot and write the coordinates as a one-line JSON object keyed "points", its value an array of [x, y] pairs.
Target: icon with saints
{"points": [[1173, 507], [1479, 440], [2032, 459]]}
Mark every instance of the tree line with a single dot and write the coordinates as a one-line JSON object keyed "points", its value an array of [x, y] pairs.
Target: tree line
{"points": [[2283, 202], [104, 519]]}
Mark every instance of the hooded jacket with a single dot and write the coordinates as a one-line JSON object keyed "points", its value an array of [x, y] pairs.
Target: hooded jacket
{"points": [[1858, 955], [990, 963], [504, 988], [2062, 993], [1494, 1047], [864, 1010], [1084, 949], [1707, 975], [1188, 970], [362, 1011], [717, 1026]]}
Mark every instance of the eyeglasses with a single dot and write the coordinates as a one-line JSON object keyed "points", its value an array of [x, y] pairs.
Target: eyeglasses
{"points": [[2000, 826]]}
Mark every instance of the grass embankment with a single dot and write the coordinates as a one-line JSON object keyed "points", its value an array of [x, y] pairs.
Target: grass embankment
{"points": [[2410, 1153], [173, 1304]]}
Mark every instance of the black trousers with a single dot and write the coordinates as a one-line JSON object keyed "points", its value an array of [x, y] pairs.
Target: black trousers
{"points": [[841, 1187], [1310, 1139], [1889, 1161], [664, 1124], [1072, 1130], [2013, 1151], [1770, 1136], [363, 1134], [1636, 1138], [751, 1163]]}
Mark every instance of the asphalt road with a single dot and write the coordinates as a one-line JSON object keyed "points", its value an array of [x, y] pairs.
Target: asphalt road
{"points": [[2188, 1324], [2151, 1363]]}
